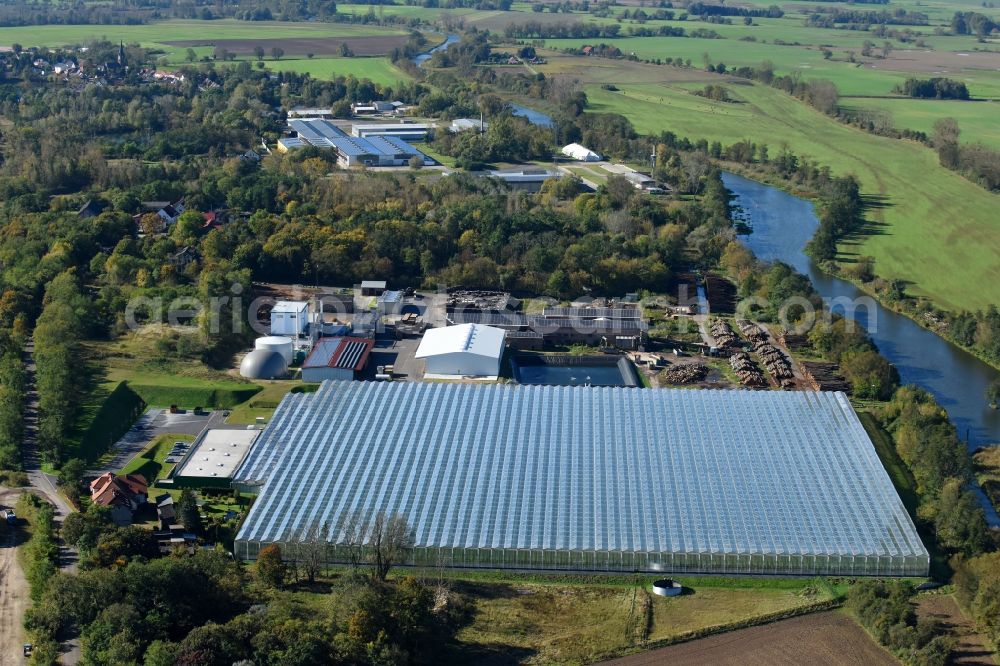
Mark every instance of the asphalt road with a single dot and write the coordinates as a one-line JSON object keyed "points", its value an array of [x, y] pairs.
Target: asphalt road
{"points": [[152, 424]]}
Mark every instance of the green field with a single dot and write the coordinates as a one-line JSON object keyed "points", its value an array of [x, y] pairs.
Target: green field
{"points": [[942, 234], [155, 34], [870, 78], [379, 70], [979, 121]]}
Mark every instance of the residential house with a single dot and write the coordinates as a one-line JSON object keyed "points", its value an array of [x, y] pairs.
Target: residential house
{"points": [[122, 494]]}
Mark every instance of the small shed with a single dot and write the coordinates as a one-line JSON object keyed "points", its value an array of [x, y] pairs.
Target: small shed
{"points": [[372, 287], [289, 318]]}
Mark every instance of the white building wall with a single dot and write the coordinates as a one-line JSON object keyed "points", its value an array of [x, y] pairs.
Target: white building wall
{"points": [[316, 375], [462, 363], [288, 323]]}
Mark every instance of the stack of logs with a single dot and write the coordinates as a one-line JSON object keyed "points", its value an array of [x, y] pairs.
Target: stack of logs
{"points": [[774, 359], [746, 370], [689, 373], [724, 335]]}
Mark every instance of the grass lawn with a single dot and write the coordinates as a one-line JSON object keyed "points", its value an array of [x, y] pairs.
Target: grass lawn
{"points": [[151, 462], [939, 231], [162, 389], [977, 120], [379, 70], [262, 404], [154, 34], [541, 623]]}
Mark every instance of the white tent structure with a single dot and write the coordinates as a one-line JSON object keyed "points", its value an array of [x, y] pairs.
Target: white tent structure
{"points": [[467, 350], [580, 153]]}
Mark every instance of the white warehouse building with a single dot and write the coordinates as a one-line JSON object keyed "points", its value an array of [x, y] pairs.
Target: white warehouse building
{"points": [[289, 318], [467, 350]]}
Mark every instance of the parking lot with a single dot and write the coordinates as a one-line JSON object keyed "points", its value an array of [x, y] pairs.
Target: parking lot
{"points": [[154, 423]]}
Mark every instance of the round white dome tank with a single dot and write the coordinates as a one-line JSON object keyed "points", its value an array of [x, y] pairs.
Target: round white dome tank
{"points": [[263, 364], [277, 343]]}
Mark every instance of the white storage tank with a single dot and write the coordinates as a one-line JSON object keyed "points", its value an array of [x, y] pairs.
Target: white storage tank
{"points": [[277, 343]]}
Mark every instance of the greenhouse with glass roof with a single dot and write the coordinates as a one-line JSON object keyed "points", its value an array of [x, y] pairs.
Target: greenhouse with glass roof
{"points": [[583, 479]]}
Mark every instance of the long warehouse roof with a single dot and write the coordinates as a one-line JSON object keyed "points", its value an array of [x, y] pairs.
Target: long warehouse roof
{"points": [[581, 469]]}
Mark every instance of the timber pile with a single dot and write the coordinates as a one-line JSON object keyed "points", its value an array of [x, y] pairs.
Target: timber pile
{"points": [[725, 336], [689, 373], [825, 376], [774, 359], [752, 331], [746, 370]]}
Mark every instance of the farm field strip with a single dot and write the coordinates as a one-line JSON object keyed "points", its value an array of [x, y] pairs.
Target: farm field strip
{"points": [[941, 234]]}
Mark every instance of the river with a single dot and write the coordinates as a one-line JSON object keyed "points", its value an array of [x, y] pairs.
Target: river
{"points": [[421, 58], [783, 224]]}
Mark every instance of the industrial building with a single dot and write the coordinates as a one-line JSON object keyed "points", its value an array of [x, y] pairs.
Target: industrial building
{"points": [[528, 179], [376, 151], [316, 131], [214, 458], [337, 358], [584, 479], [404, 131], [623, 333], [290, 318], [468, 350]]}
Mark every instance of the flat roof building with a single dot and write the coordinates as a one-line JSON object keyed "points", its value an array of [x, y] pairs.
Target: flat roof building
{"points": [[405, 131], [467, 350], [337, 358], [316, 131], [375, 151], [289, 318], [214, 458], [575, 478]]}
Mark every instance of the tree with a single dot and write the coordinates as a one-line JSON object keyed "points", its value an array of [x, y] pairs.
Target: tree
{"points": [[345, 50], [277, 52], [191, 56], [71, 477], [188, 511], [944, 138], [993, 393], [416, 162], [390, 540], [308, 548], [258, 51], [270, 568]]}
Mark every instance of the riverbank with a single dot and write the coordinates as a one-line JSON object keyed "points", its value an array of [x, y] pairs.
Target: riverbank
{"points": [[783, 224], [768, 178]]}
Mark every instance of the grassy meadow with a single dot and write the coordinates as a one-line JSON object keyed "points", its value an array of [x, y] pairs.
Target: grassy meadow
{"points": [[937, 230], [159, 35]]}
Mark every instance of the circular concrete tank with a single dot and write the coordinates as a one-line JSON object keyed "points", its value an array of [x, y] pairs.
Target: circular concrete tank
{"points": [[263, 364], [667, 587], [277, 343]]}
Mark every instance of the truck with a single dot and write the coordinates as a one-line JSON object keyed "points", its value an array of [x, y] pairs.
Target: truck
{"points": [[9, 516]]}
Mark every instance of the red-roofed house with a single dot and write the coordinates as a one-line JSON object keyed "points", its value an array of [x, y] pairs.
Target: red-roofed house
{"points": [[122, 494]]}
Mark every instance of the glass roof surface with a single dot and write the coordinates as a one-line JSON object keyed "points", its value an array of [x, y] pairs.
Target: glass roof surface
{"points": [[580, 468]]}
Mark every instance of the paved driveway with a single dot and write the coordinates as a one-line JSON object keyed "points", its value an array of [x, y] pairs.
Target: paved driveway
{"points": [[152, 424]]}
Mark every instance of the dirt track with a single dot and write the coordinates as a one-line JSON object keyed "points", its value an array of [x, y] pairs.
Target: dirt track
{"points": [[14, 594], [821, 639]]}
